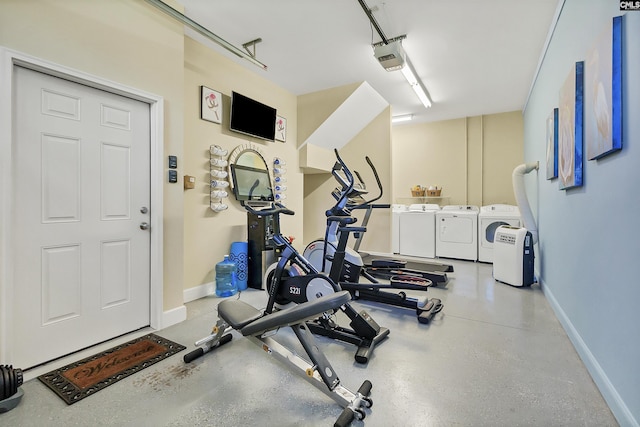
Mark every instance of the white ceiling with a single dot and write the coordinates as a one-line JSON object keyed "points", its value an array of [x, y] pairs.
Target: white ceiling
{"points": [[474, 56]]}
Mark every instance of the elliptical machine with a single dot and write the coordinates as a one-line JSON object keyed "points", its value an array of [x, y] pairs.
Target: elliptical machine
{"points": [[347, 269], [293, 280], [380, 268]]}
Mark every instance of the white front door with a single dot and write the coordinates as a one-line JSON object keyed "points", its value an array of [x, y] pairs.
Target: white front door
{"points": [[81, 192]]}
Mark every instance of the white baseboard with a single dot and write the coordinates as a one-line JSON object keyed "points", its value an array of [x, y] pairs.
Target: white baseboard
{"points": [[174, 316], [617, 405], [198, 292]]}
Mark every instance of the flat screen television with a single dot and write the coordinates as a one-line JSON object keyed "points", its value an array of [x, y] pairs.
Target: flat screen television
{"points": [[251, 117], [251, 184]]}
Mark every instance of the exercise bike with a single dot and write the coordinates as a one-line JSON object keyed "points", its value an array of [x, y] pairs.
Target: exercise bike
{"points": [[347, 272], [259, 327], [293, 280]]}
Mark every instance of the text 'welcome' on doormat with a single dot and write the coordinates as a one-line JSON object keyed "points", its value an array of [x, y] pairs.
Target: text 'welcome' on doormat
{"points": [[78, 380]]}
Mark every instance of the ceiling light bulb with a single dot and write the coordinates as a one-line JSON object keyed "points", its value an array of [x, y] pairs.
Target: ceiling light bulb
{"points": [[402, 118], [422, 95], [416, 84], [408, 74]]}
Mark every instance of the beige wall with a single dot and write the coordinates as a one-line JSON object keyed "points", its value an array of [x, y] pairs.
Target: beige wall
{"points": [[471, 158], [208, 235], [373, 141], [503, 151], [125, 41]]}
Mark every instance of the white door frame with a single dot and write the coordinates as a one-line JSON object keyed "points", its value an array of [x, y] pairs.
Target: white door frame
{"points": [[8, 59]]}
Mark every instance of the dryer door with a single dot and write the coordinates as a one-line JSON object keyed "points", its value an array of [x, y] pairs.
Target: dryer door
{"points": [[456, 229]]}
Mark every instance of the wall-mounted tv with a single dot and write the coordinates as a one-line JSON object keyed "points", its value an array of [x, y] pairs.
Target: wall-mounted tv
{"points": [[251, 184], [251, 117]]}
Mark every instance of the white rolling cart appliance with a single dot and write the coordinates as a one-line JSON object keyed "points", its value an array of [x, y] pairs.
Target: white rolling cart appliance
{"points": [[513, 254], [489, 219], [457, 232]]}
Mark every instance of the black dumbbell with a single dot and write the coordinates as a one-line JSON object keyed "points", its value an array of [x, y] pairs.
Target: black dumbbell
{"points": [[10, 380]]}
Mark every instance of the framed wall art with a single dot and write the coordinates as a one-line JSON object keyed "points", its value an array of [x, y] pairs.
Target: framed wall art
{"points": [[552, 145], [210, 105], [281, 129], [570, 128], [603, 92]]}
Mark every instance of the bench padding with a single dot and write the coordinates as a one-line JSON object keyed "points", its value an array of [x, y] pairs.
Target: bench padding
{"points": [[250, 322]]}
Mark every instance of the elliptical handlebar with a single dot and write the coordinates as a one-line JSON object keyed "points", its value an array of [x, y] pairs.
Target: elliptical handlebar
{"points": [[378, 183], [340, 208], [275, 209], [348, 185]]}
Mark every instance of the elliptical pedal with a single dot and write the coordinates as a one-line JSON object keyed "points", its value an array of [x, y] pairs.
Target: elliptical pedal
{"points": [[431, 308], [408, 281], [388, 263]]}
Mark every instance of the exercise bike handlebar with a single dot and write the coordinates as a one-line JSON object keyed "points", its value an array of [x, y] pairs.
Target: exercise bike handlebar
{"points": [[275, 209]]}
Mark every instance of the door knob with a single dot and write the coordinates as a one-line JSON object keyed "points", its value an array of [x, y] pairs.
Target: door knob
{"points": [[144, 209], [144, 226]]}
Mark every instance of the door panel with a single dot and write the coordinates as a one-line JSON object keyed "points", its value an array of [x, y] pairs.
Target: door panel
{"points": [[82, 173], [60, 179], [115, 182], [61, 283]]}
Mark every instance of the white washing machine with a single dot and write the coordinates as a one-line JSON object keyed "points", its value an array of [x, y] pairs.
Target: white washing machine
{"points": [[396, 210], [489, 219], [457, 232], [418, 230]]}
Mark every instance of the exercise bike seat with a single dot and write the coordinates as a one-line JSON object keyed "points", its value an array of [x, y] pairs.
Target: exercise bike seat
{"points": [[252, 322]]}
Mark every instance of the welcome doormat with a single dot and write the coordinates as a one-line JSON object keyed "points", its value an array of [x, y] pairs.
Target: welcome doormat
{"points": [[78, 380]]}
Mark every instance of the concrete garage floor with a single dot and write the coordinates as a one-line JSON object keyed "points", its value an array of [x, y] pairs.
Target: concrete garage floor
{"points": [[495, 356]]}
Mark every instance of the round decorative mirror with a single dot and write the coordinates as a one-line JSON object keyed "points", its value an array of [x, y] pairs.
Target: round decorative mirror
{"points": [[251, 180], [248, 155], [251, 159]]}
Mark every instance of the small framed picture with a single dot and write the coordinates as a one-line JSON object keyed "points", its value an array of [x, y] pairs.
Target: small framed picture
{"points": [[210, 105], [281, 129]]}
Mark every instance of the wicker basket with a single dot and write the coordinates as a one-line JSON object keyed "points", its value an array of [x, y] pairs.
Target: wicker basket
{"points": [[415, 193], [434, 193]]}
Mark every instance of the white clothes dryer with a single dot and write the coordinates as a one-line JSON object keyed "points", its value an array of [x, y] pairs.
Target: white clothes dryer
{"points": [[396, 210], [457, 232], [418, 231], [489, 219]]}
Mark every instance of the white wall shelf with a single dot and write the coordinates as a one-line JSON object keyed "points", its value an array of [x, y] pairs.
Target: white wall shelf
{"points": [[423, 199]]}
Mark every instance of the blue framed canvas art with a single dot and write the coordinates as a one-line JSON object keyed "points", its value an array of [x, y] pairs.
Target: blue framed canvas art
{"points": [[603, 93], [570, 128], [552, 145]]}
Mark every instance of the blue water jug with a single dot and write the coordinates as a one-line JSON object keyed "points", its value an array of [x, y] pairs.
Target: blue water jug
{"points": [[226, 281], [238, 254]]}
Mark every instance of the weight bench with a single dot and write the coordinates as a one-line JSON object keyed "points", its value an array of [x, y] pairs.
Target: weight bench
{"points": [[259, 328]]}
